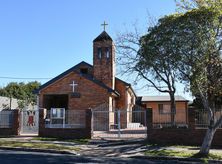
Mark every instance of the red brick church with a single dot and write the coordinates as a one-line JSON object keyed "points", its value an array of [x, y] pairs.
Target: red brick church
{"points": [[86, 86]]}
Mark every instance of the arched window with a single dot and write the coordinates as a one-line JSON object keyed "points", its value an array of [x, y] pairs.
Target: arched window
{"points": [[107, 53], [99, 53]]}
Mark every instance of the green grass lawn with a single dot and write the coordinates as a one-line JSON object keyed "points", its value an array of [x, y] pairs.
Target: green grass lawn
{"points": [[181, 152], [38, 145], [78, 141]]}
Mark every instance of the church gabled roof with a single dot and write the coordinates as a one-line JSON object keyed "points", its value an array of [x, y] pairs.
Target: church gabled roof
{"points": [[126, 84], [103, 37], [73, 69]]}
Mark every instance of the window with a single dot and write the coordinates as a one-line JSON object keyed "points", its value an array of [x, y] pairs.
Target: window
{"points": [[57, 118], [84, 70], [107, 53], [164, 108], [57, 113], [99, 53]]}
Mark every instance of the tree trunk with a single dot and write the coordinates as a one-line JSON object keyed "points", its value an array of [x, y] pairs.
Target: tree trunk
{"points": [[173, 109], [205, 147]]}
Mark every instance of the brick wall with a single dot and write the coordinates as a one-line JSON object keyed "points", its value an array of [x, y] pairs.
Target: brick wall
{"points": [[67, 133], [104, 68], [189, 136], [14, 129], [91, 94]]}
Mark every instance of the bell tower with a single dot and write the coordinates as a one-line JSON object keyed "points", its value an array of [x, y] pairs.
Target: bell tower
{"points": [[104, 59]]}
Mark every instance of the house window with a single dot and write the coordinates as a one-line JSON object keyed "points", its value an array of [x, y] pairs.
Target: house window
{"points": [[84, 70], [99, 53], [107, 53], [164, 108]]}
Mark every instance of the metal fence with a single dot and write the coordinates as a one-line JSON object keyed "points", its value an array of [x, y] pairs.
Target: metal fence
{"points": [[178, 119], [119, 124], [202, 118], [29, 121], [6, 118], [63, 118]]}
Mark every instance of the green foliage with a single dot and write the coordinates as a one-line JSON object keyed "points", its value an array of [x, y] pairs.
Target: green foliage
{"points": [[189, 44], [186, 5], [156, 51], [194, 42], [21, 91]]}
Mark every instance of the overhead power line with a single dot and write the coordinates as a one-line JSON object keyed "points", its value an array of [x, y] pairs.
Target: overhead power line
{"points": [[24, 78]]}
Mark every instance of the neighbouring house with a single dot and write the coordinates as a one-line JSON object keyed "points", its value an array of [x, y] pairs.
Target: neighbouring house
{"points": [[8, 103], [85, 87], [161, 111]]}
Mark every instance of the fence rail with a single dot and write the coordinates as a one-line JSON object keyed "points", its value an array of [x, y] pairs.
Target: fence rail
{"points": [[178, 119], [64, 118], [202, 118], [119, 124]]}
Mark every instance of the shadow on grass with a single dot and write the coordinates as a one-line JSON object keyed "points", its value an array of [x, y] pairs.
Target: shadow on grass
{"points": [[79, 141]]}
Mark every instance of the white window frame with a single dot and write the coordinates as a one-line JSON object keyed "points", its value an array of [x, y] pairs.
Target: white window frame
{"points": [[60, 114]]}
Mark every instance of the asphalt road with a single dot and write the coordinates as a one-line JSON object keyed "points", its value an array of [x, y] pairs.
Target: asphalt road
{"points": [[23, 157]]}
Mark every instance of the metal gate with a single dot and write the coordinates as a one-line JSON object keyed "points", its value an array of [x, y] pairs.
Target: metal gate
{"points": [[119, 124], [29, 122]]}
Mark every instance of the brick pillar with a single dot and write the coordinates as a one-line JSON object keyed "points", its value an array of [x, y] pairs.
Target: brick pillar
{"points": [[149, 118], [42, 113], [191, 118], [15, 124], [88, 123]]}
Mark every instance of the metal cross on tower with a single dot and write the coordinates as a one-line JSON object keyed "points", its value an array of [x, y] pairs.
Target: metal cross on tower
{"points": [[104, 25], [73, 86]]}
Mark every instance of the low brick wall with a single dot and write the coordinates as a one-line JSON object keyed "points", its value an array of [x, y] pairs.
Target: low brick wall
{"points": [[14, 129], [189, 136], [182, 136], [66, 133]]}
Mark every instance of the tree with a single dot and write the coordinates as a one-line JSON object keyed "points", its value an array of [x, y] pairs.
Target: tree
{"points": [[21, 91], [196, 42], [187, 5], [202, 63], [150, 60], [189, 45]]}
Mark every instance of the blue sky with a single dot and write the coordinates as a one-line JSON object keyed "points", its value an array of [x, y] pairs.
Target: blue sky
{"points": [[43, 38]]}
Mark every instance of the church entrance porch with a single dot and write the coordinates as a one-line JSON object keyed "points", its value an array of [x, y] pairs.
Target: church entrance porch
{"points": [[120, 124], [55, 101]]}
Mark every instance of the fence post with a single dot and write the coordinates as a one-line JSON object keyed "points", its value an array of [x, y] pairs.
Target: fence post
{"points": [[118, 123], [16, 122], [64, 117], [149, 121], [191, 118], [42, 115], [88, 122], [92, 121]]}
